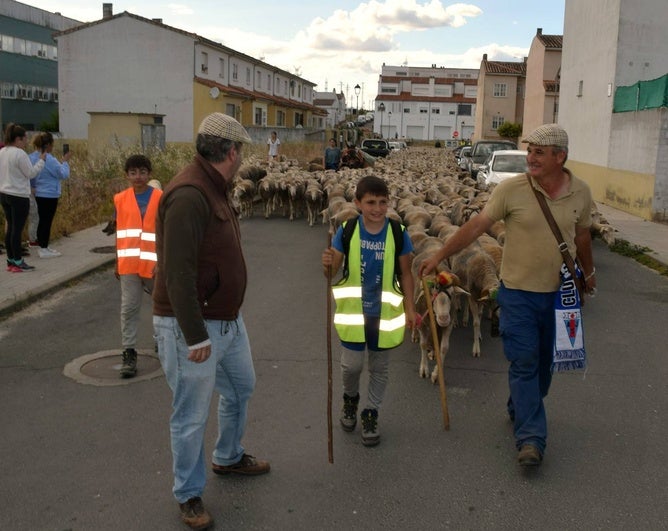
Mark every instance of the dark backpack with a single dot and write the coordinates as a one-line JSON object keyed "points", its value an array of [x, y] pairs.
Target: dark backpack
{"points": [[397, 232]]}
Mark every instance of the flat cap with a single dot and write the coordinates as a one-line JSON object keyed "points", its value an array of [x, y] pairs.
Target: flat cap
{"points": [[224, 126], [548, 135]]}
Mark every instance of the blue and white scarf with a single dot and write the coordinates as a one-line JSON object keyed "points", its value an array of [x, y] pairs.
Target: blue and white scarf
{"points": [[569, 350]]}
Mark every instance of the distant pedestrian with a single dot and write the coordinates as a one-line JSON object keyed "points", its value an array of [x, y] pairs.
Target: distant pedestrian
{"points": [[135, 212], [16, 170], [47, 190], [274, 144], [332, 157], [202, 340]]}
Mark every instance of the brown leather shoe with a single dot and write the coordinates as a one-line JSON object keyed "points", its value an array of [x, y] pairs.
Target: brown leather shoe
{"points": [[247, 466], [529, 455], [194, 515]]}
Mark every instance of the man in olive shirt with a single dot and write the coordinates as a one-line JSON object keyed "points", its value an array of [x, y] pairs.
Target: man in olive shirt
{"points": [[199, 287], [530, 273]]}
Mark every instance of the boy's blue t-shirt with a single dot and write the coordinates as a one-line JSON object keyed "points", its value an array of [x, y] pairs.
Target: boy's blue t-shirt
{"points": [[372, 256]]}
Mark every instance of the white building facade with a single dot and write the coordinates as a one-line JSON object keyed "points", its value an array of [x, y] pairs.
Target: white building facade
{"points": [[622, 155], [425, 103]]}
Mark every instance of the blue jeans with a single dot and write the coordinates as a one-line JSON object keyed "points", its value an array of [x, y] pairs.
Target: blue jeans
{"points": [[527, 330], [229, 371]]}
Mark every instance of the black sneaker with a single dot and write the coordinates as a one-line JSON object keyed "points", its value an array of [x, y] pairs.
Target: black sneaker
{"points": [[25, 267], [349, 412], [194, 515], [129, 367], [370, 432]]}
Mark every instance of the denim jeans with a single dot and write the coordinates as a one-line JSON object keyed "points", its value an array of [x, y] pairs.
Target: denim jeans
{"points": [[229, 371], [527, 330]]}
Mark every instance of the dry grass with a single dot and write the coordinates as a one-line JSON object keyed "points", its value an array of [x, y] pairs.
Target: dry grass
{"points": [[87, 196]]}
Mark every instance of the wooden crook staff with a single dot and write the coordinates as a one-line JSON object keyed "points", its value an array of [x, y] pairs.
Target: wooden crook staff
{"points": [[437, 354], [330, 445]]}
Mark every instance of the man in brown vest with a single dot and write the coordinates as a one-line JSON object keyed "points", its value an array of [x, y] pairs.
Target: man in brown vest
{"points": [[199, 288]]}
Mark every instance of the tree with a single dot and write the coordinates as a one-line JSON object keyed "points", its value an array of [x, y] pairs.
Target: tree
{"points": [[52, 124], [510, 130]]}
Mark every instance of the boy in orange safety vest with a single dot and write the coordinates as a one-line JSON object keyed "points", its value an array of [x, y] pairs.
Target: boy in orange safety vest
{"points": [[136, 209]]}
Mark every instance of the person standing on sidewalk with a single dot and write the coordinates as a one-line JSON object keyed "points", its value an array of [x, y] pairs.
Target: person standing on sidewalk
{"points": [[135, 213], [371, 311], [16, 170], [47, 190], [202, 340], [530, 273]]}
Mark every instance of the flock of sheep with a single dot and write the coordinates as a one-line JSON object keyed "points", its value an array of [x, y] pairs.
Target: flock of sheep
{"points": [[432, 197]]}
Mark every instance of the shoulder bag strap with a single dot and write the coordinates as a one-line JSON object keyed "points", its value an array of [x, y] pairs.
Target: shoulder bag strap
{"points": [[563, 248]]}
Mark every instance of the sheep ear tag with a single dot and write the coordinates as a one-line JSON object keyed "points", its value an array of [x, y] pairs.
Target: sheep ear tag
{"points": [[444, 279]]}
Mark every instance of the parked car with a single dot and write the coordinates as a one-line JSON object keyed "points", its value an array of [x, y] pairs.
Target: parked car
{"points": [[464, 154], [376, 147], [501, 165], [481, 151], [397, 145]]}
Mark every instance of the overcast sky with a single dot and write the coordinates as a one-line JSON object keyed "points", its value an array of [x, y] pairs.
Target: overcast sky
{"points": [[339, 44]]}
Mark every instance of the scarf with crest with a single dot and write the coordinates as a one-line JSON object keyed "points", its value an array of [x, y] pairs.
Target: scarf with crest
{"points": [[569, 349]]}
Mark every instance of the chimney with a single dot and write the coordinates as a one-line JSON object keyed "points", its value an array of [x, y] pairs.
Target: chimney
{"points": [[539, 31], [484, 57], [107, 10], [158, 20]]}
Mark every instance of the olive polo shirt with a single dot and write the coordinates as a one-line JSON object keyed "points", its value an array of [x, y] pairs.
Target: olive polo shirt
{"points": [[531, 257]]}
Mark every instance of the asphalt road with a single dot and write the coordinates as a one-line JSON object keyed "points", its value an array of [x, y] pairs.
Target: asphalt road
{"points": [[84, 457]]}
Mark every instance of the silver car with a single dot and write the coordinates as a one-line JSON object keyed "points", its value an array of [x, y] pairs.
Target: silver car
{"points": [[500, 165]]}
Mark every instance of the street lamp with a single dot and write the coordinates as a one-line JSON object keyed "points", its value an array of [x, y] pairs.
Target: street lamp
{"points": [[381, 108], [389, 123], [462, 135], [357, 90]]}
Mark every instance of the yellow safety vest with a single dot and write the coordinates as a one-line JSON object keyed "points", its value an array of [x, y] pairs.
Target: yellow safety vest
{"points": [[349, 317]]}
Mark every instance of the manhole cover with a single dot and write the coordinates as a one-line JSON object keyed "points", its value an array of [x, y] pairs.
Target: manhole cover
{"points": [[107, 249], [102, 368]]}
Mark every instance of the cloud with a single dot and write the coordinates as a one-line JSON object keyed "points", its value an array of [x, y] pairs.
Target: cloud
{"points": [[180, 9]]}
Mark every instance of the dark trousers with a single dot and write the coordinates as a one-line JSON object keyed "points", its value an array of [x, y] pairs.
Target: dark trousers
{"points": [[16, 213], [46, 208]]}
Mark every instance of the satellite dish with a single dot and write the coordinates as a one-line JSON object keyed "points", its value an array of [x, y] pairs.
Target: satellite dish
{"points": [[214, 92]]}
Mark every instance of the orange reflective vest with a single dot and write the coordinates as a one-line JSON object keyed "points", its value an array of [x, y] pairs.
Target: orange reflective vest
{"points": [[135, 238]]}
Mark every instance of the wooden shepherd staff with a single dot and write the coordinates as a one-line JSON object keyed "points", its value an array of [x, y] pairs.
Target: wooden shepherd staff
{"points": [[330, 446], [437, 353]]}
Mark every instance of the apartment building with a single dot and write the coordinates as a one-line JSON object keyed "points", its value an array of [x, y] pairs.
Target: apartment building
{"points": [[425, 103], [500, 96], [335, 105], [126, 79], [29, 64]]}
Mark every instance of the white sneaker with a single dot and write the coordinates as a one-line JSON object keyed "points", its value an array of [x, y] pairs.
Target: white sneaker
{"points": [[47, 252]]}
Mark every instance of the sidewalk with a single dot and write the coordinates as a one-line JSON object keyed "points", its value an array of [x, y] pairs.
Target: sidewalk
{"points": [[79, 258]]}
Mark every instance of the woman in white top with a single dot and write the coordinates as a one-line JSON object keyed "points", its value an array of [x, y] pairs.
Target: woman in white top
{"points": [[16, 170], [273, 144]]}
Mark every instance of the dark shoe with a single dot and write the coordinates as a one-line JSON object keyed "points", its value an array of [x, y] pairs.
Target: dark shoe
{"points": [[370, 432], [25, 267], [247, 466], [194, 515], [110, 228], [129, 367], [529, 455], [349, 412]]}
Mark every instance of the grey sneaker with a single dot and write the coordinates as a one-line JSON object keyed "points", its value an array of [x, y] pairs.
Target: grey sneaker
{"points": [[370, 432], [129, 367], [349, 412]]}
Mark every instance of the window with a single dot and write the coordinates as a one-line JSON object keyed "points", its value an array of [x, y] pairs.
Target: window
{"points": [[221, 65], [205, 62], [407, 109], [580, 86], [248, 76], [235, 71], [299, 119], [231, 110], [497, 121], [269, 82], [258, 116], [436, 111], [500, 90], [423, 110], [280, 118], [464, 109], [259, 79]]}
